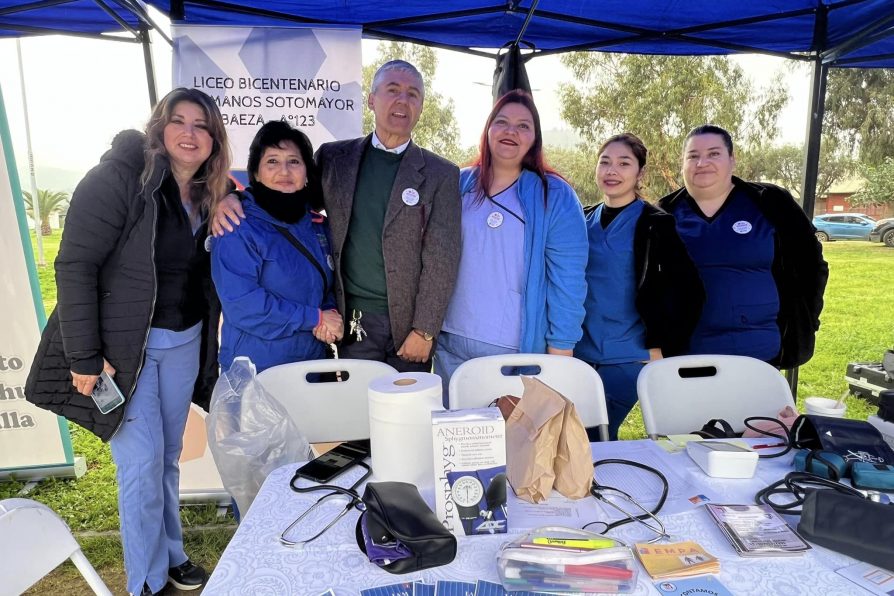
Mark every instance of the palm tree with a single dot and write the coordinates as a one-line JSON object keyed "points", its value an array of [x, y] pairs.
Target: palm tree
{"points": [[48, 201]]}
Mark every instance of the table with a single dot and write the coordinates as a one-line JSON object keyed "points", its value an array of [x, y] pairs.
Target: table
{"points": [[255, 563]]}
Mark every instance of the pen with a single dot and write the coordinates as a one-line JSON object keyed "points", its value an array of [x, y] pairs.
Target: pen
{"points": [[587, 543], [769, 445]]}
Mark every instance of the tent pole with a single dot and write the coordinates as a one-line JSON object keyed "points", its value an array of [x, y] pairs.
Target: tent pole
{"points": [[811, 159], [35, 193], [150, 66]]}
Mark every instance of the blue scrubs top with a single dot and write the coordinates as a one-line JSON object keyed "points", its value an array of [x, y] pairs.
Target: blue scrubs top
{"points": [[487, 300], [734, 253], [613, 330]]}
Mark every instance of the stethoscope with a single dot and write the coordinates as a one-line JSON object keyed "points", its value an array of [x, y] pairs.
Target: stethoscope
{"points": [[354, 502], [649, 519]]}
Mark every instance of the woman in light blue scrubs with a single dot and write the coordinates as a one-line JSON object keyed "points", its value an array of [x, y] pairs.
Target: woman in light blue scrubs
{"points": [[643, 291], [521, 282]]}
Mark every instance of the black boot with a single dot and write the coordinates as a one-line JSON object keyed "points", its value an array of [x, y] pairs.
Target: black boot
{"points": [[187, 576]]}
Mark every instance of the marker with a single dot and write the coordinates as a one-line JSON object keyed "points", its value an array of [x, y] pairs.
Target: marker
{"points": [[769, 445], [587, 543]]}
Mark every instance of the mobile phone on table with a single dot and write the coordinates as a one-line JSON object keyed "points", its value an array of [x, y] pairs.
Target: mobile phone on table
{"points": [[333, 462], [106, 394]]}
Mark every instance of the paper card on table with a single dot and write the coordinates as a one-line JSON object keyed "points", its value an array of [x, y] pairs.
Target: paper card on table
{"points": [[707, 585], [451, 588], [489, 589], [676, 559], [328, 592], [399, 589], [869, 577], [558, 511], [423, 589]]}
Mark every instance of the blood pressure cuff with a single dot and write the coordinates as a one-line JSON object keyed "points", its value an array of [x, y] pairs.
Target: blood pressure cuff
{"points": [[854, 440], [850, 525], [398, 521]]}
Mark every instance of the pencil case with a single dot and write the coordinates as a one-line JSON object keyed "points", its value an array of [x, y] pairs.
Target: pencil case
{"points": [[562, 560]]}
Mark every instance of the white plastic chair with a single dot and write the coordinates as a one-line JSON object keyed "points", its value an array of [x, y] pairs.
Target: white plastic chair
{"points": [[33, 542], [479, 381], [680, 394], [326, 412]]}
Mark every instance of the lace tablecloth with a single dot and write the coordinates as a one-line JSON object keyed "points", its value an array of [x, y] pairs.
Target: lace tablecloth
{"points": [[256, 563]]}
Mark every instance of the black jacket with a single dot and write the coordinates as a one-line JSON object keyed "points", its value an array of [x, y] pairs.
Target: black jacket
{"points": [[669, 292], [799, 270], [105, 279]]}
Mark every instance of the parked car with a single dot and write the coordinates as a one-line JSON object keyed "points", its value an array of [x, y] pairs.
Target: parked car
{"points": [[843, 226], [883, 232]]}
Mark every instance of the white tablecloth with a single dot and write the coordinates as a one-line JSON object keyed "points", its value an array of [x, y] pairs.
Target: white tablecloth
{"points": [[255, 563]]}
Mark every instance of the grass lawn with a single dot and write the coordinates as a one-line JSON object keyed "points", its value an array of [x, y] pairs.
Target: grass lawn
{"points": [[857, 325]]}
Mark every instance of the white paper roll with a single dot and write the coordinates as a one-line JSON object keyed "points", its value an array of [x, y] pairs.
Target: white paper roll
{"points": [[400, 408]]}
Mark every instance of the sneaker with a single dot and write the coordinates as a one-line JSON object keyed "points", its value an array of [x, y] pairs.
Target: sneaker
{"points": [[187, 576], [146, 591]]}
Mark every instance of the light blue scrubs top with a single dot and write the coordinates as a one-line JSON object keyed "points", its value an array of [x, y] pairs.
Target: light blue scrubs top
{"points": [[487, 301]]}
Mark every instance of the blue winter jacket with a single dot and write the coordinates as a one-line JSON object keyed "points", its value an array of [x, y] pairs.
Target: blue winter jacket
{"points": [[270, 293], [555, 259]]}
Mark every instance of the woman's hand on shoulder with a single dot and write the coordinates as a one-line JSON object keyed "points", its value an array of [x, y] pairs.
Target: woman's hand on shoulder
{"points": [[227, 214]]}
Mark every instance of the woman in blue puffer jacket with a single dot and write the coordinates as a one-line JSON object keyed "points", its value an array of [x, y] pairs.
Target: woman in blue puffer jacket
{"points": [[274, 273]]}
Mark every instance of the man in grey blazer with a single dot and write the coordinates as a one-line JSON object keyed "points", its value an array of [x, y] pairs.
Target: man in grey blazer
{"points": [[394, 213]]}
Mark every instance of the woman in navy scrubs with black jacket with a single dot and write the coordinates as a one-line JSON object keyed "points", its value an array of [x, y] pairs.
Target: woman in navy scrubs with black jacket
{"points": [[757, 255], [643, 291]]}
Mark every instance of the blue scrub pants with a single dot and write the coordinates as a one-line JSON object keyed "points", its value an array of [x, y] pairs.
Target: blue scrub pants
{"points": [[452, 350], [619, 381], [146, 450]]}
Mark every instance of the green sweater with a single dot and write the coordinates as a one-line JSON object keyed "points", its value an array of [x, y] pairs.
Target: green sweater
{"points": [[363, 265]]}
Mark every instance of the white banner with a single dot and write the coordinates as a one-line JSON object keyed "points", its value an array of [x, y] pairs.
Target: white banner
{"points": [[311, 78], [29, 437]]}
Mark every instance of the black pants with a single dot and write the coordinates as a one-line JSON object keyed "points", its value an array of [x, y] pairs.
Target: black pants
{"points": [[378, 344]]}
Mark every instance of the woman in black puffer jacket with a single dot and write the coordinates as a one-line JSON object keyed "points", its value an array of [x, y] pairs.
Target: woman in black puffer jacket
{"points": [[132, 276]]}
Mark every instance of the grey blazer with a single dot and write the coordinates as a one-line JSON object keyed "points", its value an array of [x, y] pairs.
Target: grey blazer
{"points": [[420, 243]]}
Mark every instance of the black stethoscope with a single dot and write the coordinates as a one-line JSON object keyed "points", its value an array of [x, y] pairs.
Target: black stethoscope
{"points": [[645, 517], [354, 502]]}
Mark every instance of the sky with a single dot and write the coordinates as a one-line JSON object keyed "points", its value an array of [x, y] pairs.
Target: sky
{"points": [[80, 92]]}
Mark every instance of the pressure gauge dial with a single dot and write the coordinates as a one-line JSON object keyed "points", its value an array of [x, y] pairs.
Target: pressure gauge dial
{"points": [[467, 491]]}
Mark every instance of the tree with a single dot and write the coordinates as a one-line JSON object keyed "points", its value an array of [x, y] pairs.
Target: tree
{"points": [[578, 167], [48, 202], [437, 129], [860, 112], [660, 98], [879, 187], [784, 165]]}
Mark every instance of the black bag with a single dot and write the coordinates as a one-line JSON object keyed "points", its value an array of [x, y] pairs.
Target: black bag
{"points": [[396, 511], [850, 525], [854, 440]]}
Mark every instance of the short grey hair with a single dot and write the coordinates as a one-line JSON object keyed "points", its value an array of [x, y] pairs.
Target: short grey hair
{"points": [[401, 65]]}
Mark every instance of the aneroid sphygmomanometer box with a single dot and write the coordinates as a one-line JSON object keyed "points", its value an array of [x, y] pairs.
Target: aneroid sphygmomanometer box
{"points": [[470, 470]]}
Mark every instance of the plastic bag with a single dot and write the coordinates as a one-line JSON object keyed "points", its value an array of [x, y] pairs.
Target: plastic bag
{"points": [[250, 434]]}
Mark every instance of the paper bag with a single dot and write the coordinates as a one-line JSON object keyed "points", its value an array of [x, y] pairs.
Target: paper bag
{"points": [[532, 437], [574, 460]]}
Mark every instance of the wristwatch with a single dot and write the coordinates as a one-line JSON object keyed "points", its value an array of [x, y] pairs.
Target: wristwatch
{"points": [[424, 335]]}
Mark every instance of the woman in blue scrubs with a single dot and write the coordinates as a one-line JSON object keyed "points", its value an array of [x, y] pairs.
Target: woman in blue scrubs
{"points": [[521, 283], [757, 255], [643, 291]]}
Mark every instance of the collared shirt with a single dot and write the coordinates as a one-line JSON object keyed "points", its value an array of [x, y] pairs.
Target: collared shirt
{"points": [[378, 145]]}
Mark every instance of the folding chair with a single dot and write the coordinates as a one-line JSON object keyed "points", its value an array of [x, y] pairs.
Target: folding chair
{"points": [[680, 394], [326, 411], [34, 541], [479, 381]]}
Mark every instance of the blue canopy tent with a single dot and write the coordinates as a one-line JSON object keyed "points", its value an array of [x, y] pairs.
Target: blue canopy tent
{"points": [[825, 33]]}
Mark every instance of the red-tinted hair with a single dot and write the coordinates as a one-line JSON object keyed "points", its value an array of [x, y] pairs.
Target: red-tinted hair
{"points": [[533, 160]]}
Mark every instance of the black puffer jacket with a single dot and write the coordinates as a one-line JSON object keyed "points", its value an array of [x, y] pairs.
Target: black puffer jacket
{"points": [[105, 278]]}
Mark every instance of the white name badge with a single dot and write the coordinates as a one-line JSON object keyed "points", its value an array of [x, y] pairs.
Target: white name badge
{"points": [[410, 196], [742, 227], [495, 220]]}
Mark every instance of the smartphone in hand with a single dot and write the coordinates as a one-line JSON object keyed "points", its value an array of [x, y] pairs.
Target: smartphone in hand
{"points": [[333, 462], [106, 394]]}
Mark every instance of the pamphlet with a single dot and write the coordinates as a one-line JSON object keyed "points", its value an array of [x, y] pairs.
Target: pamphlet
{"points": [[399, 589], [869, 577], [676, 559], [757, 531], [703, 586], [452, 588]]}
